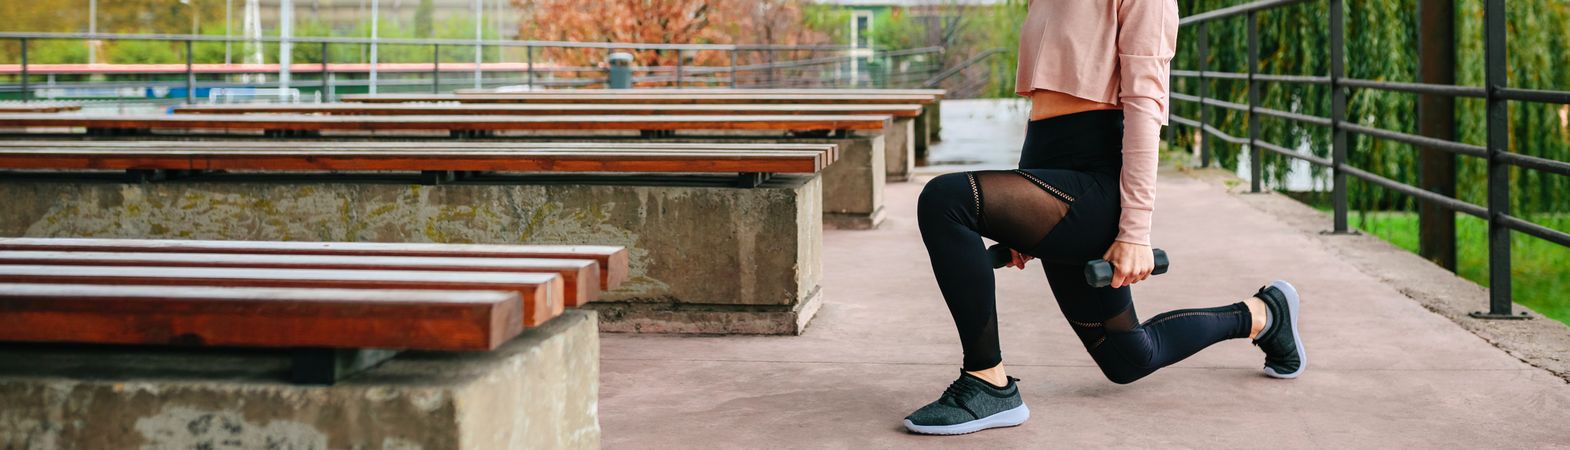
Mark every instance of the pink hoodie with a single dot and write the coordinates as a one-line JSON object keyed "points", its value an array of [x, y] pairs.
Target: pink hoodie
{"points": [[1110, 51]]}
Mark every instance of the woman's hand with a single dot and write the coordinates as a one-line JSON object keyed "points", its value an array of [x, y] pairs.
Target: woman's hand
{"points": [[1019, 259], [1131, 263]]}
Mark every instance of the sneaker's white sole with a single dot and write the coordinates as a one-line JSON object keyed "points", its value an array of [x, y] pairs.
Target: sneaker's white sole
{"points": [[1010, 418], [1297, 338]]}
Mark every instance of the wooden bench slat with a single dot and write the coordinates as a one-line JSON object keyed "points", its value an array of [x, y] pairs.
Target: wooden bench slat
{"points": [[14, 107], [611, 98], [259, 317], [735, 91], [452, 123], [613, 260], [446, 160], [580, 276], [320, 146], [896, 110], [541, 292]]}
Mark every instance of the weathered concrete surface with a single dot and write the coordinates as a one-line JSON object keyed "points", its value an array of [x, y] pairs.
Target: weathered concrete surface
{"points": [[1544, 343], [1386, 371], [539, 390], [852, 186], [900, 149], [742, 260]]}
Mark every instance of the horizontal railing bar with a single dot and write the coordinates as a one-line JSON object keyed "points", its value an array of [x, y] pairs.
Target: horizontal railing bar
{"points": [[1236, 10], [1417, 88], [1316, 120], [1224, 136], [1533, 162], [1184, 121], [1539, 231], [1422, 195], [1293, 154], [1302, 79], [1210, 101], [1422, 141], [1533, 95], [1227, 75], [452, 42], [1297, 79]]}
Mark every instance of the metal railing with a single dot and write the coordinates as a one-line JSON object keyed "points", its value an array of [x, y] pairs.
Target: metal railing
{"points": [[740, 66], [1497, 93]]}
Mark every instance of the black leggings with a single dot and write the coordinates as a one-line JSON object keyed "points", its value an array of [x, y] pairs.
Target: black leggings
{"points": [[1062, 207]]}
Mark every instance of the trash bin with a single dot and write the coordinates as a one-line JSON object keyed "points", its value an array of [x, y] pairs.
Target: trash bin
{"points": [[621, 71]]}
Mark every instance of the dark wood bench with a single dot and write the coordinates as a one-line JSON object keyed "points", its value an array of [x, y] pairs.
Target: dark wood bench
{"points": [[437, 162], [132, 124], [899, 139], [554, 109], [331, 303], [925, 129], [17, 107]]}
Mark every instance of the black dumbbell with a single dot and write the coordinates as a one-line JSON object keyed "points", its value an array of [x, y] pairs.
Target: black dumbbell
{"points": [[1098, 273]]}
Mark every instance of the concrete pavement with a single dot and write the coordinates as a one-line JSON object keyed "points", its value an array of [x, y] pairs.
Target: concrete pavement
{"points": [[1385, 371]]}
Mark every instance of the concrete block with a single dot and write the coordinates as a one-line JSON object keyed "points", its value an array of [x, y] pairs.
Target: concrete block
{"points": [[695, 243], [540, 390], [900, 149]]}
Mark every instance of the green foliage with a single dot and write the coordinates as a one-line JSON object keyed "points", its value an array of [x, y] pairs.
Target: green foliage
{"points": [[1381, 39], [143, 52], [964, 30]]}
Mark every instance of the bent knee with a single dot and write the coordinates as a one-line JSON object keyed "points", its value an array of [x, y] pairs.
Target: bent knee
{"points": [[945, 192]]}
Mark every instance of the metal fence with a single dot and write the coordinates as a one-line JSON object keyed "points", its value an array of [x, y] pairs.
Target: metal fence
{"points": [[740, 66], [1497, 93]]}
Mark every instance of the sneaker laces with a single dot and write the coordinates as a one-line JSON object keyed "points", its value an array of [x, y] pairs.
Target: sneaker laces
{"points": [[958, 390]]}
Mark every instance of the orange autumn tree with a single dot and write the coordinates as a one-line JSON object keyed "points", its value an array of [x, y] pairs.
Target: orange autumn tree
{"points": [[783, 22]]}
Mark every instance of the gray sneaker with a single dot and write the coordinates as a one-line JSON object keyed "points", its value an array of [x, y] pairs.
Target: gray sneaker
{"points": [[970, 404], [1282, 343]]}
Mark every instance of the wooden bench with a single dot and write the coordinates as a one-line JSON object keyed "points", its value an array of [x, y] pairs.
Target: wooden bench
{"points": [[925, 128], [899, 142], [331, 303], [106, 124], [436, 162], [854, 183], [17, 107]]}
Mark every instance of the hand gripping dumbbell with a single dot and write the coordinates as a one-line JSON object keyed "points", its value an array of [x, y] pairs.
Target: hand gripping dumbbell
{"points": [[1098, 273]]}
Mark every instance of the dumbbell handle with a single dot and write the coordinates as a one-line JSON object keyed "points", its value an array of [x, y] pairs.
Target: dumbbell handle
{"points": [[1098, 273]]}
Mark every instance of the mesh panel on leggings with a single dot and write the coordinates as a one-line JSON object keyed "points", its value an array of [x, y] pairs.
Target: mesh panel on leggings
{"points": [[1015, 211], [1093, 334]]}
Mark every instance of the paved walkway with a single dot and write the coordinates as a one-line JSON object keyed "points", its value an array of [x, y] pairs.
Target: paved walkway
{"points": [[1385, 371]]}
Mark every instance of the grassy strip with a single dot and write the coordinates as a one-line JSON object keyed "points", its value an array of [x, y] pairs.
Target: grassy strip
{"points": [[1539, 270]]}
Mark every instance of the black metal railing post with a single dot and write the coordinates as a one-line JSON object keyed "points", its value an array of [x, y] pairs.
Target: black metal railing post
{"points": [[678, 67], [190, 74], [1499, 289], [733, 67], [1338, 144], [1256, 155], [1204, 88], [529, 56], [26, 92], [327, 87], [436, 68]]}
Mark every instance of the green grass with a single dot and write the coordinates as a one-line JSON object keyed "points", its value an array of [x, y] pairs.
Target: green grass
{"points": [[1540, 270]]}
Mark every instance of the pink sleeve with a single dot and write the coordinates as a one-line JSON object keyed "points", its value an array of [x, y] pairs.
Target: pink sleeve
{"points": [[1147, 38]]}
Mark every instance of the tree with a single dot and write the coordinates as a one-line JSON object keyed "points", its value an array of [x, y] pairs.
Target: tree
{"points": [[665, 21]]}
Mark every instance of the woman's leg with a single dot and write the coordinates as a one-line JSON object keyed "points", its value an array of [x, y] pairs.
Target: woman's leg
{"points": [[954, 212], [1127, 350], [1104, 317]]}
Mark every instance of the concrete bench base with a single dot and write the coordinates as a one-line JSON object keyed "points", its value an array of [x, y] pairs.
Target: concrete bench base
{"points": [[900, 149], [695, 242], [539, 390]]}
